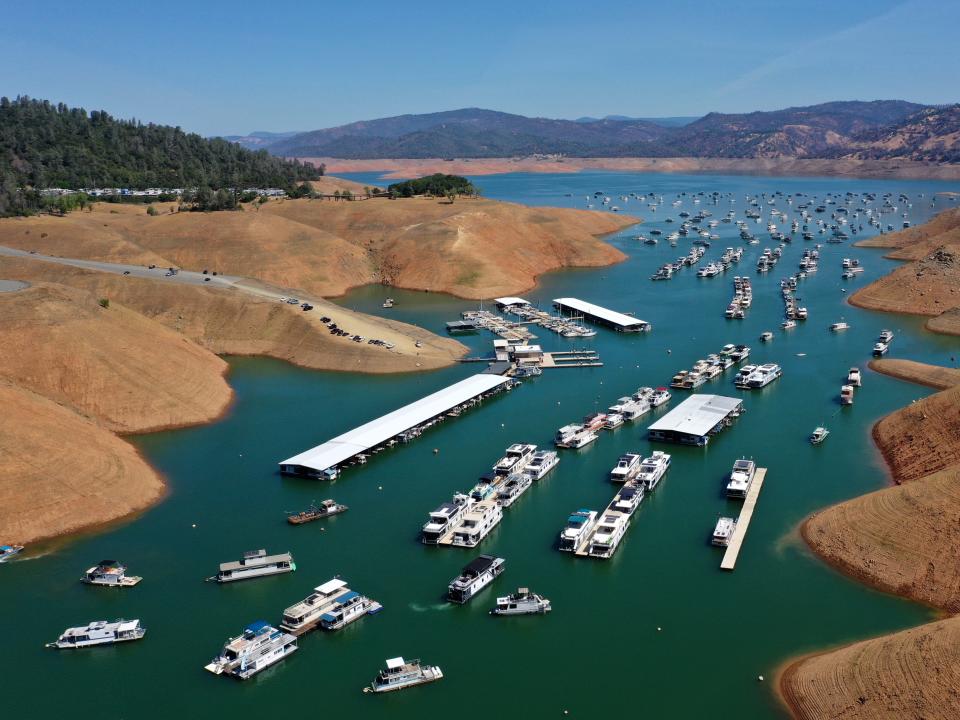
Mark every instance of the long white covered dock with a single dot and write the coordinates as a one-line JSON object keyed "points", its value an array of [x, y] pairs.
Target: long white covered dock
{"points": [[400, 425], [595, 313], [693, 421]]}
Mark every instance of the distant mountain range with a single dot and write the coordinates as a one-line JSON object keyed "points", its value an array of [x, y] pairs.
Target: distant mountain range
{"points": [[259, 139], [876, 129]]}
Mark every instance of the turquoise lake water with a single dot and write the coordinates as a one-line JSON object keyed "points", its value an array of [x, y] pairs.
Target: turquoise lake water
{"points": [[658, 631]]}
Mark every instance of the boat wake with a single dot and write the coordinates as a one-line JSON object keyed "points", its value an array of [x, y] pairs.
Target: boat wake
{"points": [[416, 607]]}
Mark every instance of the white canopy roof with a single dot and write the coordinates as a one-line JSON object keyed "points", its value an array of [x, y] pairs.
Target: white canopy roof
{"points": [[511, 301], [383, 428], [611, 316], [697, 415]]}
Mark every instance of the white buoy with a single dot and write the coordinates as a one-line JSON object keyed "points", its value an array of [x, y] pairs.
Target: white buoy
{"points": [[436, 451], [760, 678], [659, 628], [379, 487], [194, 525]]}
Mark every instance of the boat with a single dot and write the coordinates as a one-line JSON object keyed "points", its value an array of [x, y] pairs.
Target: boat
{"points": [[400, 675], [347, 608], [610, 531], [479, 519], [819, 435], [254, 564], [886, 336], [516, 458], [628, 499], [8, 551], [522, 602], [444, 518], [99, 632], [474, 577], [854, 377], [542, 462], [846, 395], [788, 324], [388, 303], [764, 375], [512, 488], [839, 326], [316, 512], [305, 615], [880, 348], [627, 468], [109, 573], [613, 421], [740, 379], [741, 478], [594, 421], [766, 336], [653, 468], [578, 528], [660, 396], [260, 646], [723, 531], [574, 436]]}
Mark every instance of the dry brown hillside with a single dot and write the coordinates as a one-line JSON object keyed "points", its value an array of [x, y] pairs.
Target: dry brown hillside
{"points": [[933, 376], [233, 322], [929, 286], [473, 248], [86, 477], [910, 675], [111, 364], [915, 242]]}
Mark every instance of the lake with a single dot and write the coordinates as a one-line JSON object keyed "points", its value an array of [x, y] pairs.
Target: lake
{"points": [[658, 631]]}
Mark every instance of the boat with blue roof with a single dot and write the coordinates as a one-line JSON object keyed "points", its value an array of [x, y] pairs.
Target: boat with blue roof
{"points": [[347, 608], [260, 646], [577, 530]]}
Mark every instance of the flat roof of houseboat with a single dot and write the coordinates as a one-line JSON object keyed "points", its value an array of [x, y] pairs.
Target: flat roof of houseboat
{"points": [[508, 301], [597, 312], [697, 415], [375, 432], [258, 561]]}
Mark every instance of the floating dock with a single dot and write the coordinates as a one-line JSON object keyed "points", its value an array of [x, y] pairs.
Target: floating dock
{"points": [[743, 522], [571, 358], [398, 426], [595, 313], [693, 421]]}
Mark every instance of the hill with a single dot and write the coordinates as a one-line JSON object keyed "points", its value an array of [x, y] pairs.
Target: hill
{"points": [[43, 145], [880, 129]]}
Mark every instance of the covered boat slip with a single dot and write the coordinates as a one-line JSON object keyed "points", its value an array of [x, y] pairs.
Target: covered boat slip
{"points": [[595, 313], [693, 421], [377, 432]]}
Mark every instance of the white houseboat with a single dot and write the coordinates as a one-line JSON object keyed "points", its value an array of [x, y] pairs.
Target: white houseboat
{"points": [[577, 530], [653, 468], [522, 602], [542, 462], [260, 646], [475, 577], [741, 478], [109, 573], [99, 632], [400, 675], [443, 519], [305, 615], [255, 564]]}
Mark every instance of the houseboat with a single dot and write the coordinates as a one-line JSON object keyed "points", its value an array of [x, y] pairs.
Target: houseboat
{"points": [[522, 602], [628, 499], [316, 512], [542, 462], [479, 519], [512, 488], [443, 519], [839, 327], [627, 468], [400, 675], [305, 615], [99, 632], [260, 646], [577, 530], [574, 436], [741, 478], [660, 396], [515, 459], [819, 435], [854, 377], [347, 608], [846, 395], [653, 468], [880, 349], [764, 375], [109, 573], [723, 531], [254, 564], [610, 531], [475, 577]]}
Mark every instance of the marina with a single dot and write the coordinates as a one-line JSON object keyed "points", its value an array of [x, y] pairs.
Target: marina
{"points": [[729, 561]]}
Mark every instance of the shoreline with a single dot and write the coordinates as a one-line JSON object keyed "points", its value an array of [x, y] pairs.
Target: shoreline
{"points": [[405, 168]]}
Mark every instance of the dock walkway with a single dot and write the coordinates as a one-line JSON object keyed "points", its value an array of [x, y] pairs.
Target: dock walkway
{"points": [[743, 522]]}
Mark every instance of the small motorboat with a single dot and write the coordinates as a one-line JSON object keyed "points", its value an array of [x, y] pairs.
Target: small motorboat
{"points": [[819, 435], [766, 336]]}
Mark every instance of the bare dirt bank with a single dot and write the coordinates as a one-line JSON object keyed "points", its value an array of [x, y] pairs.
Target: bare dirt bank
{"points": [[399, 168], [472, 248], [939, 378], [85, 477], [234, 322], [910, 675]]}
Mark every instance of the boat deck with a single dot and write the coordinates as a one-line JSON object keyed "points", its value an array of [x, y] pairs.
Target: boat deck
{"points": [[743, 522]]}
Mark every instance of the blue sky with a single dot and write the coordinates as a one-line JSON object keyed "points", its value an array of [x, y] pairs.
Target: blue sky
{"points": [[233, 67]]}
